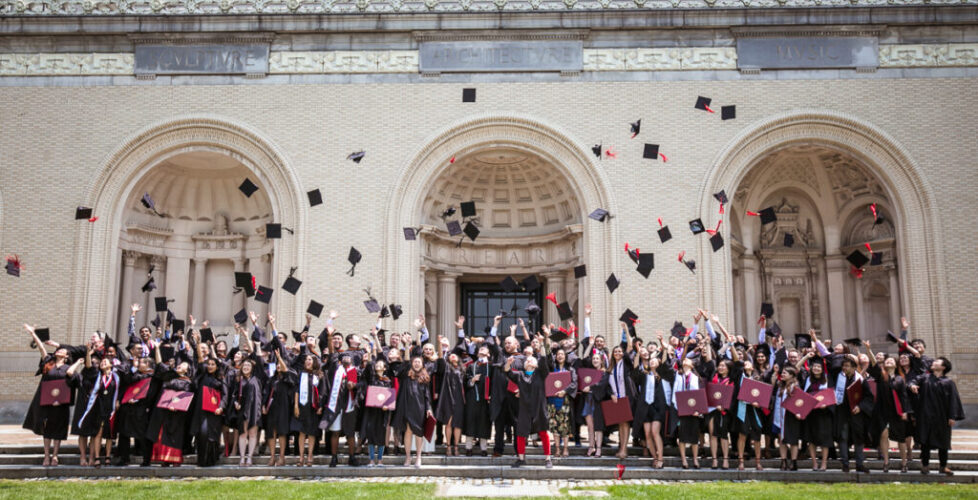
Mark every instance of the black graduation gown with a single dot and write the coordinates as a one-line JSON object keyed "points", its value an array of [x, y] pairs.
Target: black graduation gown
{"points": [[477, 421], [348, 420], [247, 393], [99, 417], [413, 403], [643, 412], [278, 403], [451, 398], [84, 384], [532, 417], [167, 427], [206, 426], [132, 419], [309, 416], [939, 402], [51, 422], [817, 427], [501, 397], [599, 392], [854, 428], [374, 421]]}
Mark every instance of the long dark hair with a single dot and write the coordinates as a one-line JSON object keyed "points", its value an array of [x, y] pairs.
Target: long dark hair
{"points": [[421, 376]]}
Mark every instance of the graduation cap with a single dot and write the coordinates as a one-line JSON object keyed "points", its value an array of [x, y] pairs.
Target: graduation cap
{"points": [[178, 325], [564, 311], [508, 284], [248, 188], [633, 253], [716, 241], [84, 213], [241, 317], [722, 197], [855, 341], [629, 318], [471, 231], [454, 228], [636, 127], [353, 259], [689, 263], [384, 312], [150, 285], [857, 259], [789, 240], [206, 335], [600, 215], [291, 284], [167, 352], [664, 233], [767, 309], [596, 149], [580, 271], [532, 308], [728, 112], [775, 329], [396, 311], [244, 281], [13, 266], [652, 152], [646, 262], [372, 305], [678, 330], [468, 209], [558, 335], [531, 283], [43, 334], [468, 95], [450, 211], [315, 308], [274, 231], [264, 294], [297, 336], [696, 226], [148, 202], [160, 303], [877, 217], [612, 283], [892, 338], [703, 103], [876, 259], [411, 233], [767, 215], [803, 340], [357, 156], [155, 322], [315, 197]]}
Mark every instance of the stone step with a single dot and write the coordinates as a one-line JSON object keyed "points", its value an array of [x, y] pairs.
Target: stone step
{"points": [[559, 472], [478, 461]]}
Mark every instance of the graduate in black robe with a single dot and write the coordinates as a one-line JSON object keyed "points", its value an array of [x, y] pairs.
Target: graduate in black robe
{"points": [[478, 383], [308, 408], [132, 417], [749, 419], [245, 408], [413, 407], [852, 420], [895, 410], [594, 395], [451, 402], [101, 406], [375, 420], [50, 422], [167, 429], [340, 406], [560, 407], [206, 426], [503, 403], [277, 409], [532, 417], [940, 406], [650, 401], [816, 429]]}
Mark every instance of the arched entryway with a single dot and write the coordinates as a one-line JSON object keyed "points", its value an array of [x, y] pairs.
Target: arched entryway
{"points": [[533, 187], [192, 166], [821, 171]]}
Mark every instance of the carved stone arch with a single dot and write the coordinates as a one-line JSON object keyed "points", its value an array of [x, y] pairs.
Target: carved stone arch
{"points": [[914, 210], [808, 194], [518, 132], [96, 279]]}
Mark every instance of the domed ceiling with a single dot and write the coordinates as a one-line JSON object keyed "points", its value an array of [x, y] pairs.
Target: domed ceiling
{"points": [[515, 193]]}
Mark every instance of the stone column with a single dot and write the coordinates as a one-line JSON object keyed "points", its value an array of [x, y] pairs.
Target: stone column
{"points": [[752, 294], [159, 263], [857, 288], [239, 298], [199, 305], [553, 284], [447, 307], [256, 267], [430, 280], [836, 269], [125, 297], [569, 283], [178, 285], [894, 302]]}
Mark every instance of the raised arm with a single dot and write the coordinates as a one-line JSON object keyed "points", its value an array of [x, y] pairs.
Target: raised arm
{"points": [[819, 346], [869, 351], [40, 345]]}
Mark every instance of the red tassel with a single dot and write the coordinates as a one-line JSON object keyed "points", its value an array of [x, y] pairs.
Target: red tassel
{"points": [[869, 248], [682, 255], [452, 160], [855, 271], [873, 208], [753, 214], [563, 330], [552, 297], [711, 232], [721, 209], [708, 108], [636, 253], [660, 221], [254, 284], [626, 247], [611, 154], [621, 471], [93, 219], [664, 159]]}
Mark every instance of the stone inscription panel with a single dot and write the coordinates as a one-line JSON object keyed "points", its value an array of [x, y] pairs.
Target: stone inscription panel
{"points": [[807, 52], [491, 56], [216, 59]]}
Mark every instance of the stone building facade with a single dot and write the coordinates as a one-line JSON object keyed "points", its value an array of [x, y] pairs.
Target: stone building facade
{"points": [[839, 106]]}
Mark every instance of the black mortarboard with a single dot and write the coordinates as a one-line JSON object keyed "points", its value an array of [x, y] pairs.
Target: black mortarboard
{"points": [[167, 352], [678, 330], [716, 241], [150, 285], [454, 228], [450, 211], [768, 216], [468, 95], [802, 341], [651, 152], [243, 281], [357, 156], [410, 233], [664, 234], [13, 266], [241, 317], [109, 341], [264, 294], [83, 213], [273, 231], [596, 149], [315, 197], [468, 209], [297, 336], [877, 259], [206, 335], [471, 231], [892, 338], [178, 325], [531, 283], [160, 303], [291, 285], [564, 311], [857, 259], [155, 321], [580, 271], [789, 240], [728, 112], [43, 334], [767, 309], [646, 262], [532, 308], [855, 341], [557, 335], [147, 202], [508, 284], [775, 329], [721, 197], [384, 311], [353, 258], [696, 226], [636, 127], [396, 311], [703, 103], [248, 188], [169, 316], [372, 306], [612, 283], [599, 215], [315, 308], [629, 318], [690, 264]]}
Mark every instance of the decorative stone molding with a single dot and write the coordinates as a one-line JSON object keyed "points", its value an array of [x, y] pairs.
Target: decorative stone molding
{"points": [[667, 59], [936, 55], [70, 64], [498, 35], [375, 61], [552, 252], [252, 7]]}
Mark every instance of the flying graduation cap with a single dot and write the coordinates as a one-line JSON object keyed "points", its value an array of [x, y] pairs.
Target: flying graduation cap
{"points": [[612, 283], [600, 215], [468, 209], [767, 215], [722, 198], [703, 103], [150, 285], [353, 259], [246, 282], [664, 233], [646, 262], [652, 153], [580, 271], [13, 266], [716, 241], [789, 240], [291, 284], [84, 213], [597, 149], [248, 188], [315, 197], [728, 112], [411, 233], [468, 95], [636, 127], [356, 156], [877, 217], [689, 263], [633, 253], [696, 226], [274, 231], [148, 202]]}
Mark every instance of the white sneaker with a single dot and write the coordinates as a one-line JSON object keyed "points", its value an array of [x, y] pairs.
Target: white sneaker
{"points": [[370, 465]]}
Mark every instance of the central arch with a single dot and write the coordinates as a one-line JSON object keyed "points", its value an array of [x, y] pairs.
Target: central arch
{"points": [[404, 271]]}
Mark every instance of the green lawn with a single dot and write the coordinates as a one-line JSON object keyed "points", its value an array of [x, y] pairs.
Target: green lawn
{"points": [[285, 489]]}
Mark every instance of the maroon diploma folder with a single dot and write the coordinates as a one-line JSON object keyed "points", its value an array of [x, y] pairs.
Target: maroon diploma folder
{"points": [[800, 403], [752, 391], [429, 427], [825, 398], [872, 387], [689, 402], [380, 397], [616, 412], [175, 400], [586, 377], [55, 392], [136, 392], [557, 382], [854, 393], [212, 399], [719, 395]]}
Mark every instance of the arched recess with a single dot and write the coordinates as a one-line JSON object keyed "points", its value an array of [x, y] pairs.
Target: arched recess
{"points": [[913, 211], [98, 258], [515, 132]]}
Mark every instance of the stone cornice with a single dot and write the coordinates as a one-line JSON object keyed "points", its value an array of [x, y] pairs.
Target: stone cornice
{"points": [[806, 31], [498, 35], [193, 39]]}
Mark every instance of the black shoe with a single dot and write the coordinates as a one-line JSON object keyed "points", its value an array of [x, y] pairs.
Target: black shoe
{"points": [[862, 468], [468, 452], [925, 470], [144, 464], [485, 453], [518, 463], [353, 461], [334, 461], [845, 466]]}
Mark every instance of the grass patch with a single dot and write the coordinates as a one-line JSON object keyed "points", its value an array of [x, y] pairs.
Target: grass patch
{"points": [[793, 491], [211, 489]]}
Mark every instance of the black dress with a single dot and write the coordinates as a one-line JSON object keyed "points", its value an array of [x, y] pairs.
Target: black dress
{"points": [[477, 421], [51, 422], [939, 402], [278, 403], [373, 424], [167, 429], [532, 417], [309, 416], [817, 427], [790, 425], [451, 398], [133, 418], [98, 416], [207, 426], [413, 403], [84, 384], [247, 393]]}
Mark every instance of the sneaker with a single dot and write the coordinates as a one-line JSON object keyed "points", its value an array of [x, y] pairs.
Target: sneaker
{"points": [[549, 464], [518, 463], [370, 465]]}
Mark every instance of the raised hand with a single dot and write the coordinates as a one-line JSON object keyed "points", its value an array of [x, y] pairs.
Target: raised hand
{"points": [[904, 323], [193, 321], [136, 308], [333, 315], [254, 317], [460, 322], [587, 309]]}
